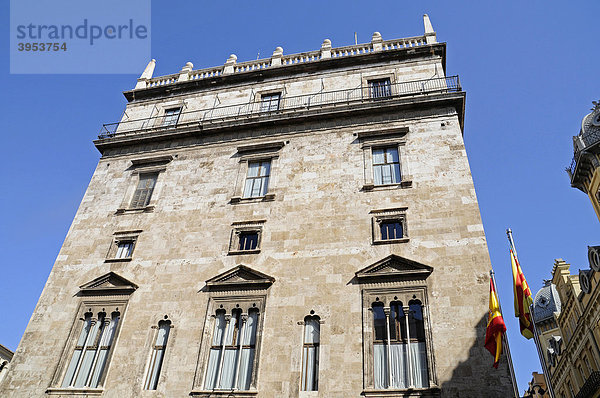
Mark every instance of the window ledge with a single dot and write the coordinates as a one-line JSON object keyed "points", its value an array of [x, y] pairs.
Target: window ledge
{"points": [[373, 187], [223, 393], [267, 198], [405, 393], [390, 241], [240, 252], [118, 260], [74, 391], [147, 209]]}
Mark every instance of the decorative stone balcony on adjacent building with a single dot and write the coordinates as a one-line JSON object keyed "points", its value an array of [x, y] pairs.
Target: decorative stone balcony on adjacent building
{"points": [[586, 149]]}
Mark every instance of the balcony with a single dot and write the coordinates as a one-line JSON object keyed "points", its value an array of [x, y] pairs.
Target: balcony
{"points": [[591, 387], [585, 142], [287, 106]]}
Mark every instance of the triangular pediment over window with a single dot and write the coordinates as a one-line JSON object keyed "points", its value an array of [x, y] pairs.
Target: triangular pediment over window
{"points": [[110, 283], [238, 277], [394, 267]]}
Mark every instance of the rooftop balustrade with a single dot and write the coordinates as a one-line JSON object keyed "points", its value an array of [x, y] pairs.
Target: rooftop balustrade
{"points": [[278, 59], [285, 105]]}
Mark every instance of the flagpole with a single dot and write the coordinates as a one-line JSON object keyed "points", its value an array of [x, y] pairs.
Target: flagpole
{"points": [[505, 341], [536, 339], [535, 333]]}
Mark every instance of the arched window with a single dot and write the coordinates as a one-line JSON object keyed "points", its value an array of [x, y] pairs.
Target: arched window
{"points": [[158, 354], [310, 354], [399, 349], [89, 358], [233, 345]]}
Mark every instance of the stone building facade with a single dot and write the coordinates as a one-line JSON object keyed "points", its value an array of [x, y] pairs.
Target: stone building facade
{"points": [[536, 388], [299, 226], [569, 338]]}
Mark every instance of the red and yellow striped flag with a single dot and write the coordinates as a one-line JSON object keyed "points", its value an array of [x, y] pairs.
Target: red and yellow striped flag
{"points": [[495, 327], [523, 298]]}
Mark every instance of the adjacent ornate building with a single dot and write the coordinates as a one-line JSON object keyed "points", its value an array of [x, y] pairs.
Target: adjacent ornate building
{"points": [[5, 358], [585, 167], [299, 226], [567, 314]]}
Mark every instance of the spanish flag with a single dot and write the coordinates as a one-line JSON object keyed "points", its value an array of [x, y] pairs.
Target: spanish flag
{"points": [[523, 298], [495, 327]]}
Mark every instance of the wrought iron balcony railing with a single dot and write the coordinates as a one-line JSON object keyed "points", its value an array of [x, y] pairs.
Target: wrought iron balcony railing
{"points": [[585, 141], [590, 387], [286, 105]]}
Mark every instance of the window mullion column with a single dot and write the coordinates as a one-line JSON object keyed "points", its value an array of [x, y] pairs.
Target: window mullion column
{"points": [[244, 319], [408, 353], [386, 311], [225, 331]]}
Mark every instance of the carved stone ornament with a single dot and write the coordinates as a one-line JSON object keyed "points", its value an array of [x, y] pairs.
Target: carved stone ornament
{"points": [[240, 277], [394, 267]]}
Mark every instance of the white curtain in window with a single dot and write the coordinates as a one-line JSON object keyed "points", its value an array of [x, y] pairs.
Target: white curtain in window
{"points": [[252, 172], [247, 358], [228, 372], [310, 355], [124, 250], [378, 156], [233, 358], [88, 355], [312, 331], [380, 366], [157, 355], [399, 373], [104, 346], [213, 366], [418, 353], [214, 357], [78, 350], [399, 370], [246, 362]]}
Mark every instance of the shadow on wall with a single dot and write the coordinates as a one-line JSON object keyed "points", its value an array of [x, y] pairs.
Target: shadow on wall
{"points": [[476, 377]]}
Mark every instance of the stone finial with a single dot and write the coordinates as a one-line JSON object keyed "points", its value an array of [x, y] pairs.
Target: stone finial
{"points": [[187, 67], [147, 74], [429, 32], [377, 42], [229, 64], [276, 57], [326, 49], [184, 74]]}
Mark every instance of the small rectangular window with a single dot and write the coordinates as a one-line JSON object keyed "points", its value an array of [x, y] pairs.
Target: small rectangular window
{"points": [[257, 180], [380, 88], [389, 226], [248, 240], [171, 116], [124, 249], [386, 166], [143, 191], [246, 237], [270, 102], [391, 230]]}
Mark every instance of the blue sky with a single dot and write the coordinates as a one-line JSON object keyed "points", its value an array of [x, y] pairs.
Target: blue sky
{"points": [[530, 70]]}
